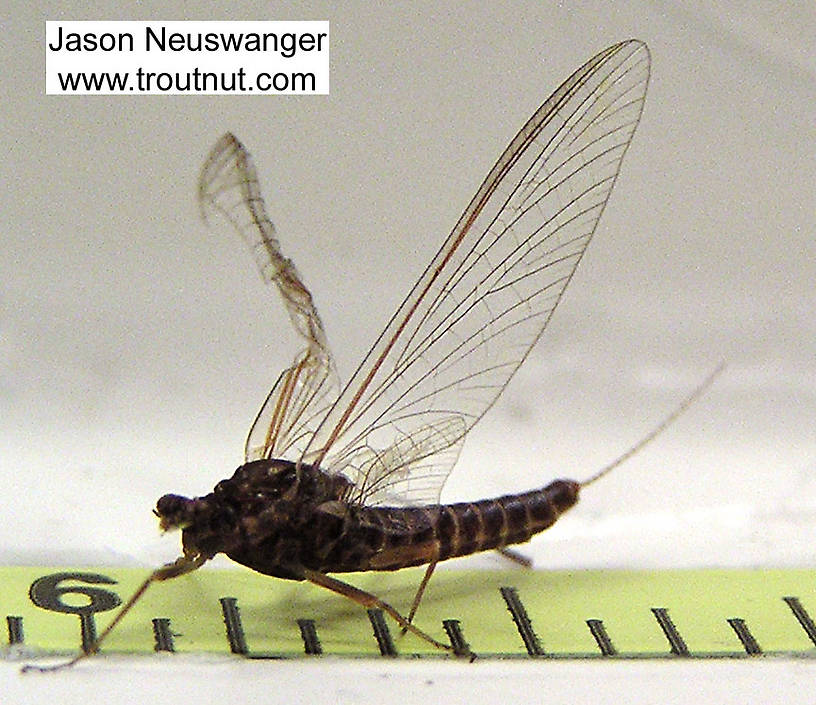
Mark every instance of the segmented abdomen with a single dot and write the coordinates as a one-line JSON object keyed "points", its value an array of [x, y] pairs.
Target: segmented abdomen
{"points": [[401, 537], [470, 527]]}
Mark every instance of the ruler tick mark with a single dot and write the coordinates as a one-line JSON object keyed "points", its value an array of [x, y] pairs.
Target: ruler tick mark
{"points": [[232, 621], [676, 642], [744, 635], [15, 630], [596, 626], [522, 620], [162, 635], [381, 632], [453, 629], [801, 614], [311, 642]]}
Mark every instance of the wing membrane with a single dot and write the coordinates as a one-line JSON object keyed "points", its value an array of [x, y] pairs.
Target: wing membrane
{"points": [[228, 186], [490, 291], [411, 468]]}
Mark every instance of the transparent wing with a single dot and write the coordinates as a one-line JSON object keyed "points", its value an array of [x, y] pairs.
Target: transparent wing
{"points": [[410, 470], [489, 292], [228, 186]]}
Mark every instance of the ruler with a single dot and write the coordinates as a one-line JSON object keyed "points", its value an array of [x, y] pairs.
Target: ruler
{"points": [[591, 614]]}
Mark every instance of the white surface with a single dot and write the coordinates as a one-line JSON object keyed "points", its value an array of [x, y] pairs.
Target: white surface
{"points": [[135, 346], [202, 681]]}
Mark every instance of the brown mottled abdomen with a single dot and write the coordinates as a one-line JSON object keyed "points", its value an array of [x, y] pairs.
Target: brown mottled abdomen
{"points": [[389, 538]]}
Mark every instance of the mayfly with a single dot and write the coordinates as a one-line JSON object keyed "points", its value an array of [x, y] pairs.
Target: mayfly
{"points": [[348, 479]]}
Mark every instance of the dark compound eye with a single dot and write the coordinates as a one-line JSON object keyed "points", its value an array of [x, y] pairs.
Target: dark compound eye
{"points": [[170, 505]]}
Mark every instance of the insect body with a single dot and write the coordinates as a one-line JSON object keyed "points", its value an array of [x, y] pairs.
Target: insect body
{"points": [[278, 519], [348, 479]]}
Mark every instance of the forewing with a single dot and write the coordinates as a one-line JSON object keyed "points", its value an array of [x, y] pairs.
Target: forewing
{"points": [[490, 291], [228, 187]]}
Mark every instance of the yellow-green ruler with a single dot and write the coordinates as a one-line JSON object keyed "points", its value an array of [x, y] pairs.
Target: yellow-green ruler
{"points": [[514, 613]]}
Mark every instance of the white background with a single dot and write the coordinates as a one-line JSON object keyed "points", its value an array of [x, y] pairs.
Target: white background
{"points": [[135, 346]]}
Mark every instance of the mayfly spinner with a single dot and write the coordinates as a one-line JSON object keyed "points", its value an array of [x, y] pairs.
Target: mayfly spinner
{"points": [[348, 479]]}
